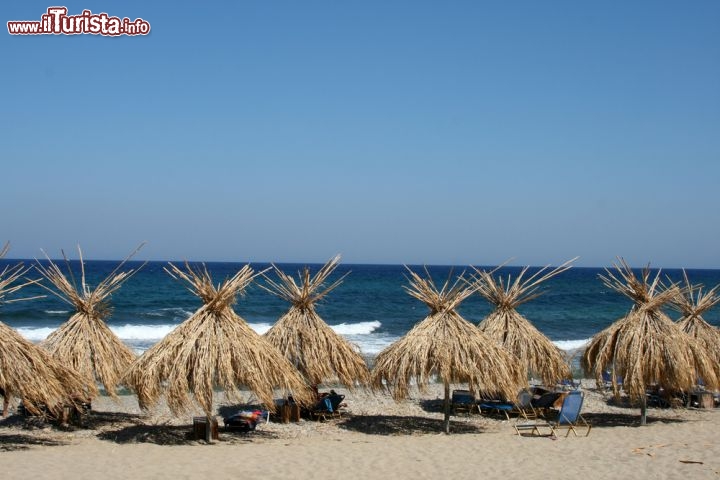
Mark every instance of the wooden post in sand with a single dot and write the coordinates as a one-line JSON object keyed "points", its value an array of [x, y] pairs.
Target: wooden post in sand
{"points": [[446, 423], [643, 411]]}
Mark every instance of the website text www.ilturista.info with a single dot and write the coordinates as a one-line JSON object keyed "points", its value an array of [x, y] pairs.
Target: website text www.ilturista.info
{"points": [[57, 22]]}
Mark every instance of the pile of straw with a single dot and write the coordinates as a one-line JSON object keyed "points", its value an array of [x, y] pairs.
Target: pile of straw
{"points": [[692, 303], [85, 342], [212, 348], [318, 352], [646, 348], [513, 331], [446, 346], [27, 371]]}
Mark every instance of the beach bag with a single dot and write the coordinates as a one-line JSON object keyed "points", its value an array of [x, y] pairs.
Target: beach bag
{"points": [[241, 422]]}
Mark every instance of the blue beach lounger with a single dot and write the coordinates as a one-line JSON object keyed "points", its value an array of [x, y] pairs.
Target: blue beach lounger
{"points": [[569, 417]]}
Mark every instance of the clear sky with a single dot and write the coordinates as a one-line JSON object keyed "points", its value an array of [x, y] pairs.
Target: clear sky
{"points": [[387, 131]]}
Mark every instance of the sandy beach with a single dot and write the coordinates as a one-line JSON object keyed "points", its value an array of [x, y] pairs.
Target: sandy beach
{"points": [[376, 438]]}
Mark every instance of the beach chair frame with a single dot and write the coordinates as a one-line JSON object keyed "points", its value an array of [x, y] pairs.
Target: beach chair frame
{"points": [[463, 401], [522, 407], [569, 418]]}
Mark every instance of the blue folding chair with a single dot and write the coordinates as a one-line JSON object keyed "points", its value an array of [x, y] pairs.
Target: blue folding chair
{"points": [[569, 417]]}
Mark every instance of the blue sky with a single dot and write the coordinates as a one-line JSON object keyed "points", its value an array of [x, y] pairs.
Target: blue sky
{"points": [[389, 132]]}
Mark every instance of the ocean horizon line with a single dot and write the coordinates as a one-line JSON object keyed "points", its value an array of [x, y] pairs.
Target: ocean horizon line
{"points": [[360, 264]]}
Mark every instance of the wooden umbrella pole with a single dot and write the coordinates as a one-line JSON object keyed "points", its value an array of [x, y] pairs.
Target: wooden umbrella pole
{"points": [[643, 411], [208, 429], [447, 407]]}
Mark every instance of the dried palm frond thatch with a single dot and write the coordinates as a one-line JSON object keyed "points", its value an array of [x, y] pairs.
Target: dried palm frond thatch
{"points": [[85, 342], [692, 303], [27, 371], [447, 346], [512, 330], [305, 339], [212, 348], [646, 347]]}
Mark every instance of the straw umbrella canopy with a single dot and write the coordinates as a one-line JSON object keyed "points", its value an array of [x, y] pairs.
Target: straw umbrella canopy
{"points": [[692, 303], [26, 370], [447, 346], [646, 347], [85, 342], [212, 348], [305, 339], [512, 330]]}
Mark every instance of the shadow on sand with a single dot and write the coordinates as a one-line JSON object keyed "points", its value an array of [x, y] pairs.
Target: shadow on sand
{"points": [[170, 435], [166, 434], [18, 441], [623, 419], [397, 425], [157, 434], [39, 433]]}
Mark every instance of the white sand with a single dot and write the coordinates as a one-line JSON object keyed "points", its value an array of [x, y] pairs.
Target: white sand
{"points": [[377, 439]]}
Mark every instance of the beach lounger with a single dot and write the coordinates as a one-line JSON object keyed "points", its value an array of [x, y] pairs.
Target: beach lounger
{"points": [[522, 407], [244, 421], [569, 418], [547, 402], [463, 401], [328, 406], [607, 380], [570, 384]]}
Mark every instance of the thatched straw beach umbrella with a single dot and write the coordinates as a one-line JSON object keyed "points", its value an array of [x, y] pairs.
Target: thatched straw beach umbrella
{"points": [[305, 339], [513, 331], [646, 347], [692, 303], [212, 348], [447, 346], [26, 370], [85, 342]]}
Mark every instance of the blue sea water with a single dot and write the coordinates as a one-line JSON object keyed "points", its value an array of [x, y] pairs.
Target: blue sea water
{"points": [[370, 307]]}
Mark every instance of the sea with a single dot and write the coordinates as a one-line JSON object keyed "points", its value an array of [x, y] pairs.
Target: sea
{"points": [[370, 308]]}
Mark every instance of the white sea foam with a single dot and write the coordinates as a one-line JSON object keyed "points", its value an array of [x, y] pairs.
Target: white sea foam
{"points": [[35, 334], [362, 328], [57, 312], [571, 344], [372, 345], [260, 328], [146, 333], [153, 333], [362, 334], [178, 310], [177, 313]]}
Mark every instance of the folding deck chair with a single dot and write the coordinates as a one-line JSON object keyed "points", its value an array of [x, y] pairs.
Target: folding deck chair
{"points": [[569, 418]]}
